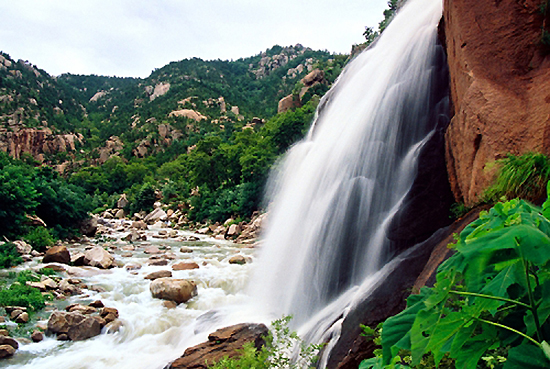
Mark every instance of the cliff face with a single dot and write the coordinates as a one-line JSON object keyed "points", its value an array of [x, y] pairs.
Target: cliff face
{"points": [[500, 88]]}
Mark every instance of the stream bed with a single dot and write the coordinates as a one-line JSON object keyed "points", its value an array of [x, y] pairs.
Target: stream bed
{"points": [[152, 335]]}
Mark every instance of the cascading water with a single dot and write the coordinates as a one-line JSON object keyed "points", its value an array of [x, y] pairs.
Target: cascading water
{"points": [[338, 189], [328, 243]]}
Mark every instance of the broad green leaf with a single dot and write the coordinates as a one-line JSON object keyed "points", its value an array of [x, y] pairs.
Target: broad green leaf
{"points": [[396, 330], [546, 204], [527, 356], [372, 363], [498, 286], [472, 350], [543, 310]]}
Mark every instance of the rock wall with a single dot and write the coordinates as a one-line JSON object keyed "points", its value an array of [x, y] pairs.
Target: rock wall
{"points": [[500, 88]]}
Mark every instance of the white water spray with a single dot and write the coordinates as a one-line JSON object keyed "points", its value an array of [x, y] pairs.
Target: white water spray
{"points": [[338, 189]]}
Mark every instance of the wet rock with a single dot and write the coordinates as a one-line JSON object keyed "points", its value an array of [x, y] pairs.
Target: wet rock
{"points": [[62, 337], [128, 248], [82, 309], [159, 274], [22, 318], [68, 289], [169, 304], [75, 326], [37, 336], [55, 267], [225, 342], [6, 340], [6, 351], [98, 257], [237, 259], [185, 249], [88, 227], [78, 259], [57, 254], [132, 266], [109, 314], [185, 266], [113, 327], [140, 225], [161, 262], [96, 304], [152, 250], [177, 290], [38, 285], [15, 313], [133, 236], [155, 216], [4, 332], [49, 283]]}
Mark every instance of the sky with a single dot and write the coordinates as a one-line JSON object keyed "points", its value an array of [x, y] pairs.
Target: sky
{"points": [[130, 38]]}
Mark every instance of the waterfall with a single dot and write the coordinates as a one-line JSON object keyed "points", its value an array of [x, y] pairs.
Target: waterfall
{"points": [[336, 192]]}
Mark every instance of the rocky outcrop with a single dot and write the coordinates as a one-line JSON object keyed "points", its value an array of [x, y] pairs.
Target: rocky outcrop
{"points": [[224, 342], [159, 90], [500, 88], [113, 146], [36, 141], [314, 78]]}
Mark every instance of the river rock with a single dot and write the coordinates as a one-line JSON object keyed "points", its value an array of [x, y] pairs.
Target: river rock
{"points": [[185, 249], [152, 250], [76, 326], [57, 254], [159, 274], [109, 314], [122, 202], [160, 262], [237, 259], [22, 247], [155, 215], [225, 342], [177, 290], [113, 326], [6, 340], [140, 224], [97, 304], [88, 227], [132, 266], [185, 266], [6, 351], [82, 309], [22, 318], [98, 257], [37, 336], [49, 283], [78, 259], [67, 288]]}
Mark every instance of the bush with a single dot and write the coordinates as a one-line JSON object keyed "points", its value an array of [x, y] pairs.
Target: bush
{"points": [[522, 176], [277, 352], [145, 199], [9, 256], [19, 294], [39, 238]]}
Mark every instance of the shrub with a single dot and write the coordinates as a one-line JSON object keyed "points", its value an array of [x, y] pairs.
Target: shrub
{"points": [[39, 238], [145, 199], [277, 352], [9, 256], [19, 294], [522, 176]]}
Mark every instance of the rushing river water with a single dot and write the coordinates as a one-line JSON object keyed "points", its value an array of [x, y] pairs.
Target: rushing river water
{"points": [[152, 335]]}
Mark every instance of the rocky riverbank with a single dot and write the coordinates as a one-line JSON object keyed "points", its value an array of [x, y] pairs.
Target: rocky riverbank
{"points": [[177, 264]]}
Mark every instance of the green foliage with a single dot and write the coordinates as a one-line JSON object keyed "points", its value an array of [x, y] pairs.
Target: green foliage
{"points": [[276, 353], [19, 294], [145, 199], [493, 294], [522, 176], [9, 256], [39, 238], [459, 209]]}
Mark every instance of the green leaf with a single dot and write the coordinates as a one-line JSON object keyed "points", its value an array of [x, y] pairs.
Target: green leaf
{"points": [[469, 354], [396, 330], [527, 356], [546, 204]]}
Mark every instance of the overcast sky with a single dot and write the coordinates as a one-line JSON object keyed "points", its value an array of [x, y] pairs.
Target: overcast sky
{"points": [[132, 37]]}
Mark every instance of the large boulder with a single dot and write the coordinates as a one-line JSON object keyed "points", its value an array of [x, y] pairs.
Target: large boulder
{"points": [[22, 247], [155, 216], [57, 254], [99, 258], [76, 326], [225, 342], [499, 88], [88, 227], [177, 290]]}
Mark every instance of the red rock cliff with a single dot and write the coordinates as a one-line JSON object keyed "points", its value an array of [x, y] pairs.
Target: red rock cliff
{"points": [[500, 88]]}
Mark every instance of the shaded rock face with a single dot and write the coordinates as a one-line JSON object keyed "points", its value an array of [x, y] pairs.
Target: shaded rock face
{"points": [[500, 88], [224, 342]]}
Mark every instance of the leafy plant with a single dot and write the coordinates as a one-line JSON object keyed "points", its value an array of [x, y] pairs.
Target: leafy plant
{"points": [[19, 294], [522, 176], [277, 352], [39, 238], [9, 256], [493, 294]]}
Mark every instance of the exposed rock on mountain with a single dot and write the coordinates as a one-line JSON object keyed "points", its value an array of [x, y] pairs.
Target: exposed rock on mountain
{"points": [[499, 87]]}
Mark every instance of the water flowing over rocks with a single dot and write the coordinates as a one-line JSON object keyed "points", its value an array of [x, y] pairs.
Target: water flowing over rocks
{"points": [[223, 342], [177, 290]]}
